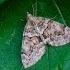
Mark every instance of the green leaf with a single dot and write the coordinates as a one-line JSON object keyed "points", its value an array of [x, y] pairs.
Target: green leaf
{"points": [[11, 31], [2, 1]]}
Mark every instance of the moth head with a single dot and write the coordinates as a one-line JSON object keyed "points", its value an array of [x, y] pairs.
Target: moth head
{"points": [[31, 19], [29, 15]]}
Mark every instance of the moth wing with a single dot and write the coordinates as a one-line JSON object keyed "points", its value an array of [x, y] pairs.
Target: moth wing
{"points": [[51, 32], [56, 34], [32, 46]]}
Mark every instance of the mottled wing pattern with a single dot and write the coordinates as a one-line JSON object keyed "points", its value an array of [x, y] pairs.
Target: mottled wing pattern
{"points": [[38, 32], [32, 46], [51, 32], [56, 34]]}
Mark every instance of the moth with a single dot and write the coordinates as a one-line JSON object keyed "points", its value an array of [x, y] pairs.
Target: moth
{"points": [[38, 32]]}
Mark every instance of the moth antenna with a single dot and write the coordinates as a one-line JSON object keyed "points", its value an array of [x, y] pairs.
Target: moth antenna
{"points": [[22, 20], [33, 9], [54, 17]]}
